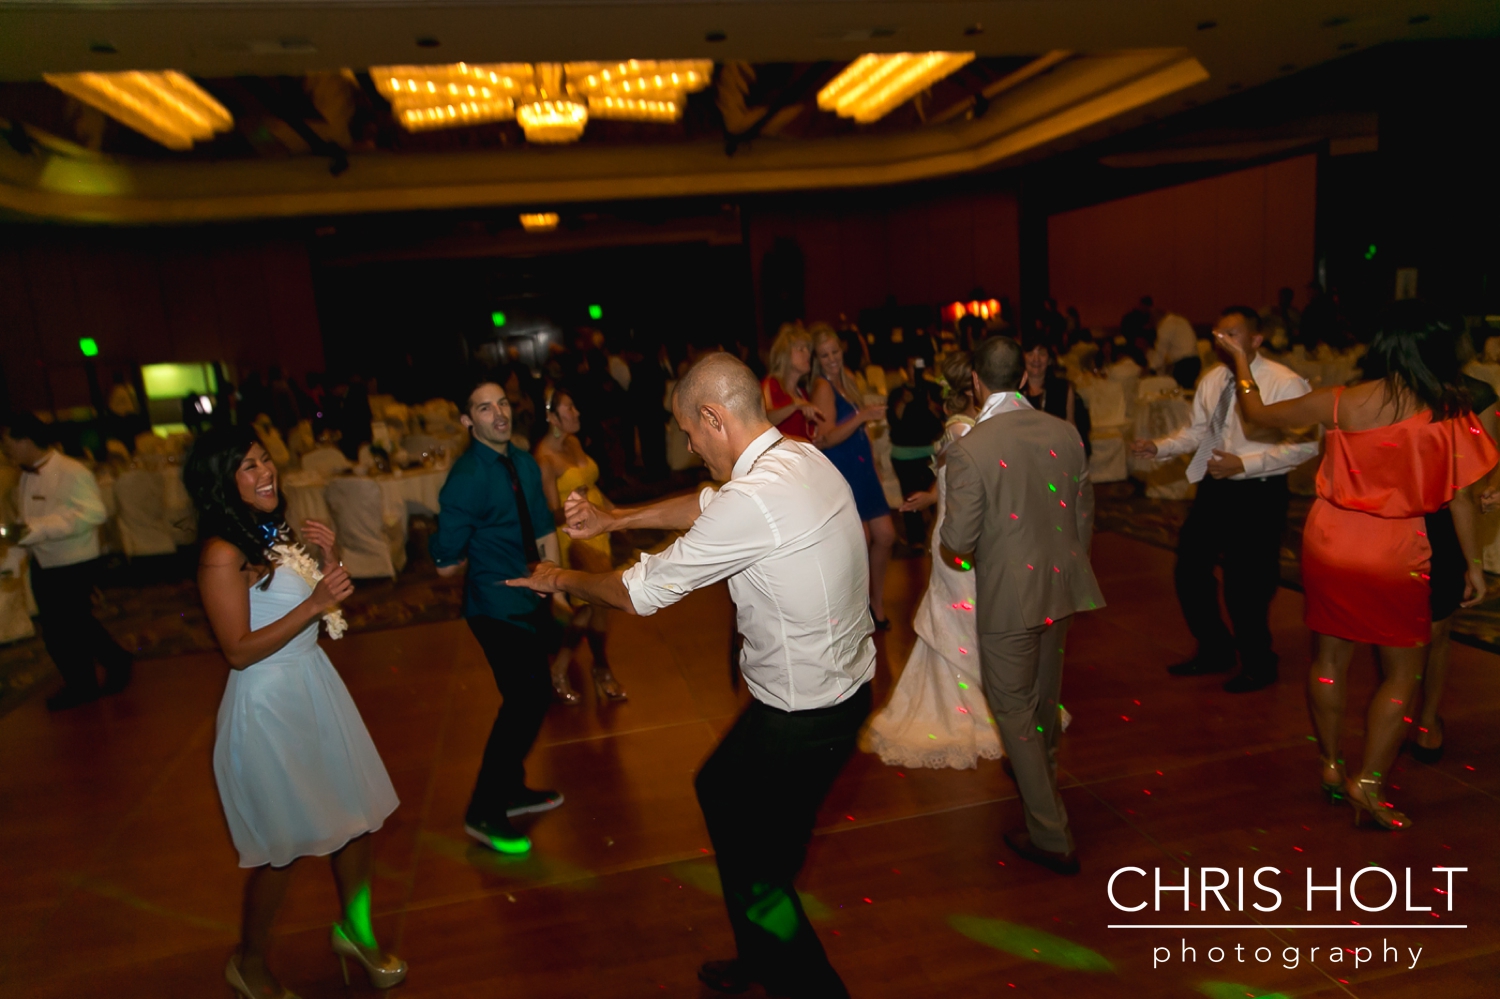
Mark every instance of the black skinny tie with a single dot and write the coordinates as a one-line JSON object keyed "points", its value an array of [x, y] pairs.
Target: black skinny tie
{"points": [[528, 531]]}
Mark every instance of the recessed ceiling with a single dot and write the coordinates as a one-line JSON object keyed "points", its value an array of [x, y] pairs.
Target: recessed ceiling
{"points": [[313, 136]]}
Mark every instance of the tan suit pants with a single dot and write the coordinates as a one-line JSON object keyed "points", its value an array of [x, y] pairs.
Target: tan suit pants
{"points": [[1022, 683]]}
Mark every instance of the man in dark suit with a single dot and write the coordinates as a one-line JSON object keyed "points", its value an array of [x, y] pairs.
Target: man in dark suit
{"points": [[1019, 510]]}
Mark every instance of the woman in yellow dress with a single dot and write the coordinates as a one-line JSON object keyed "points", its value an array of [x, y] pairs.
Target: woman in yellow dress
{"points": [[566, 469]]}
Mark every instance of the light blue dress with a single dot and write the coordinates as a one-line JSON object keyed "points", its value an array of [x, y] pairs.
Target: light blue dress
{"points": [[298, 774]]}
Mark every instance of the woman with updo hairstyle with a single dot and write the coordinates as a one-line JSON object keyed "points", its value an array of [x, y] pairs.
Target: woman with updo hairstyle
{"points": [[297, 772]]}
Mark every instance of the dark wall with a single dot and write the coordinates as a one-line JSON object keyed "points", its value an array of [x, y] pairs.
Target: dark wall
{"points": [[241, 296]]}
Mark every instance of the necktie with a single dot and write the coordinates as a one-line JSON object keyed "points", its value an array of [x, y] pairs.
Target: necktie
{"points": [[528, 530], [1215, 436]]}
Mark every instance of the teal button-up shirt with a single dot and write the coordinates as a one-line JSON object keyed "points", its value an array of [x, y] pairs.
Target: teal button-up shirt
{"points": [[480, 521]]}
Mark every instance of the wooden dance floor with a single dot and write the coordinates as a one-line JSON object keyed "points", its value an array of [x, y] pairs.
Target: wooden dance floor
{"points": [[119, 879]]}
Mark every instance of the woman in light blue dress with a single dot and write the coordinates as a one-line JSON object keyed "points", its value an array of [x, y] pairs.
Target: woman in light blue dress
{"points": [[298, 774]]}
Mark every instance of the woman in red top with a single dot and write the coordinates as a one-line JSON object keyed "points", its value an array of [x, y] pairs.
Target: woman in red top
{"points": [[787, 405], [1396, 449]]}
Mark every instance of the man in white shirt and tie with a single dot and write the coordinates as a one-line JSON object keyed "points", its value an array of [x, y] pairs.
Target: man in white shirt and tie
{"points": [[1239, 514], [61, 510], [784, 531]]}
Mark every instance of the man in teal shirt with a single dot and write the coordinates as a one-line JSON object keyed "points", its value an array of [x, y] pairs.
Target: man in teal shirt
{"points": [[495, 523]]}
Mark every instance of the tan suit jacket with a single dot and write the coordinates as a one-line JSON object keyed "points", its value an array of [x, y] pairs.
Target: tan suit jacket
{"points": [[1020, 500]]}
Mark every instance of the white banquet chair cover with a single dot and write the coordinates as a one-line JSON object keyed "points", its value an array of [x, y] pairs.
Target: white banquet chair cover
{"points": [[177, 505], [1107, 414], [1161, 411], [140, 497], [325, 461], [305, 501], [369, 536]]}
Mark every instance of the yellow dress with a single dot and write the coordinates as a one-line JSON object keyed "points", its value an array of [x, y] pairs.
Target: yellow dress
{"points": [[582, 477]]}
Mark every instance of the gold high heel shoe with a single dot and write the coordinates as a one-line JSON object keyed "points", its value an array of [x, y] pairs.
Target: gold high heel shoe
{"points": [[561, 685], [385, 970], [1334, 792], [237, 981], [605, 684], [607, 687], [1370, 801]]}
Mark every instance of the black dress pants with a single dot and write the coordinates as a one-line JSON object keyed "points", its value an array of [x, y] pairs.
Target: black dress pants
{"points": [[1238, 523], [760, 792], [74, 638], [518, 658]]}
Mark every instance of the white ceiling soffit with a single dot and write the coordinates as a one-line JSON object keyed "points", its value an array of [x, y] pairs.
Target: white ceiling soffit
{"points": [[1078, 93]]}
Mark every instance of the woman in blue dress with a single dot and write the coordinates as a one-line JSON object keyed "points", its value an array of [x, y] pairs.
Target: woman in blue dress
{"points": [[842, 436]]}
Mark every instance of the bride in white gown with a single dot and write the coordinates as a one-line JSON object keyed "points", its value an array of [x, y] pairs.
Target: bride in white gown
{"points": [[937, 716]]}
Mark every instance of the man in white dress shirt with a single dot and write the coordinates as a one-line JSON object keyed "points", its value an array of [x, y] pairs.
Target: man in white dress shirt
{"points": [[784, 531], [61, 510], [1239, 514]]}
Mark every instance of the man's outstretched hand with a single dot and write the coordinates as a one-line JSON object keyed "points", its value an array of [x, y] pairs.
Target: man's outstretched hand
{"points": [[582, 519], [545, 578]]}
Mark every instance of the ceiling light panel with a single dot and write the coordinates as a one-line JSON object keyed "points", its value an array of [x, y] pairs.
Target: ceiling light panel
{"points": [[447, 96], [874, 85], [167, 107]]}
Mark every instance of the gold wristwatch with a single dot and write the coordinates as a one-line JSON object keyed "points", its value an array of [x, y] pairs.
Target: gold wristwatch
{"points": [[1247, 385]]}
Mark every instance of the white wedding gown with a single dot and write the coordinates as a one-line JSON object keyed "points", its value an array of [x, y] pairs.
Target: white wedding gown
{"points": [[937, 716], [298, 774]]}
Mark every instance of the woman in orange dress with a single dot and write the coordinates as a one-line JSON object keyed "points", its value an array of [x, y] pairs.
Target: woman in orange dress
{"points": [[787, 404], [1395, 450]]}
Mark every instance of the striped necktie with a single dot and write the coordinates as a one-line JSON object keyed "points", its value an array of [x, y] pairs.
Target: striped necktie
{"points": [[1215, 436]]}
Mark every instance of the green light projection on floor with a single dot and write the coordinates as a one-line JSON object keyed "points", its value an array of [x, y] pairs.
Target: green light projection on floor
{"points": [[773, 912], [1234, 990], [356, 925], [1033, 945], [704, 876], [511, 847]]}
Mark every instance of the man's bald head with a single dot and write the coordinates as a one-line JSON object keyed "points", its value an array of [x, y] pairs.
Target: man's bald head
{"points": [[722, 380]]}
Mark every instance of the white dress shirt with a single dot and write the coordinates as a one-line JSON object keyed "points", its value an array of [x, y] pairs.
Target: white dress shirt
{"points": [[62, 508], [1264, 451], [786, 534]]}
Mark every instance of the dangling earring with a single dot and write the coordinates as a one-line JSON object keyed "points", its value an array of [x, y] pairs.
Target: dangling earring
{"points": [[557, 432]]}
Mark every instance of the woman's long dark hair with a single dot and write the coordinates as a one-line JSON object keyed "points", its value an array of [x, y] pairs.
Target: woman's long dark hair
{"points": [[209, 478], [1416, 348]]}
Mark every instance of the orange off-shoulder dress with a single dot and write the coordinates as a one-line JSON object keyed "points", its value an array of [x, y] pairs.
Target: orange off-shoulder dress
{"points": [[1365, 555]]}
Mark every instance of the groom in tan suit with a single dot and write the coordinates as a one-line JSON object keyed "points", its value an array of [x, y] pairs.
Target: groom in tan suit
{"points": [[1019, 512]]}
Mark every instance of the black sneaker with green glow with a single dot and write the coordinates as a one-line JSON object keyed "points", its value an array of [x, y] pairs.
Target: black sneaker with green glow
{"points": [[499, 835]]}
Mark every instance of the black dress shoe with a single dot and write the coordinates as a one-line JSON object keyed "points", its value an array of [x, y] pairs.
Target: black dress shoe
{"points": [[726, 976], [1202, 666], [70, 698], [1061, 863], [1425, 754], [1247, 683], [499, 835]]}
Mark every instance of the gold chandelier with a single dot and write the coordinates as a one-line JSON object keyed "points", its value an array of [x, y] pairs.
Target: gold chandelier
{"points": [[552, 101], [874, 85]]}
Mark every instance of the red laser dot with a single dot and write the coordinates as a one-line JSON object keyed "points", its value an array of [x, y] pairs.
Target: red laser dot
{"points": [[868, 902], [1297, 848], [1159, 773], [1014, 517], [1145, 791], [1124, 718], [849, 817], [1000, 862], [1003, 464], [1325, 679]]}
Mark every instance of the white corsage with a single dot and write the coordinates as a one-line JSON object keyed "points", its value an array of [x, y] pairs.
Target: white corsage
{"points": [[291, 555]]}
